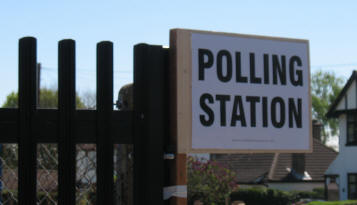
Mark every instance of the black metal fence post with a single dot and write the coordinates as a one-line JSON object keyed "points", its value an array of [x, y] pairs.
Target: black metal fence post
{"points": [[27, 107], [149, 123], [66, 107], [104, 114]]}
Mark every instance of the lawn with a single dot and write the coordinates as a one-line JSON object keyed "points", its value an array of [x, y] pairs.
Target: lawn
{"points": [[333, 203]]}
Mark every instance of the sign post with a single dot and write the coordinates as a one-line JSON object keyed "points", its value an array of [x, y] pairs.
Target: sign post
{"points": [[235, 93]]}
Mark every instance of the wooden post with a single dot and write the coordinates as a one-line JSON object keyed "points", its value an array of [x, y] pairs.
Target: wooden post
{"points": [[180, 177], [178, 132]]}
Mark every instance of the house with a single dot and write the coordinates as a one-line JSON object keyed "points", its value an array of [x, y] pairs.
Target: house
{"points": [[283, 171], [341, 176]]}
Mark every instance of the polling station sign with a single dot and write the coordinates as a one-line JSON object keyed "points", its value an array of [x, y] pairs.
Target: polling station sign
{"points": [[240, 93]]}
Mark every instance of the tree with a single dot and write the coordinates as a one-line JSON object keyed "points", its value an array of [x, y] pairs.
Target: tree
{"points": [[325, 87], [48, 99], [89, 99]]}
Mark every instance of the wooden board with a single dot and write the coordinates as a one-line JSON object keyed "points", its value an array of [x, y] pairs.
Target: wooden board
{"points": [[181, 92]]}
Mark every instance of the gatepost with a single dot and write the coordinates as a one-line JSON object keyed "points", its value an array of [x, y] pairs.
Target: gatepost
{"points": [[150, 123]]}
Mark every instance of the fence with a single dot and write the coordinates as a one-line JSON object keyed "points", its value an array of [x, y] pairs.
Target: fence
{"points": [[59, 143]]}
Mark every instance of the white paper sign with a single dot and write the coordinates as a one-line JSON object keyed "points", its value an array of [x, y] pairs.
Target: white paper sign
{"points": [[250, 93]]}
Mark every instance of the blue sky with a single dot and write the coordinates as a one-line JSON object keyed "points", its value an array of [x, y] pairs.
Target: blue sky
{"points": [[330, 26]]}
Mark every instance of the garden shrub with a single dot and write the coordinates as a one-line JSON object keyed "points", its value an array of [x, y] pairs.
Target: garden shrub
{"points": [[317, 193], [320, 193], [209, 182], [261, 195]]}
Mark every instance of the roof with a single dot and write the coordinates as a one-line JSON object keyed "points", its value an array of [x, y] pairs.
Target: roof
{"points": [[332, 111], [252, 168]]}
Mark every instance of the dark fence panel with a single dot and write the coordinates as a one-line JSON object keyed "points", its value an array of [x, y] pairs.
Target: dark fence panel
{"points": [[29, 126]]}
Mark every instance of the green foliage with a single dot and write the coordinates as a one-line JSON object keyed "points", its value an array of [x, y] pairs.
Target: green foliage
{"points": [[262, 195], [317, 193], [11, 100], [9, 155], [47, 156], [209, 181], [325, 87], [46, 198], [349, 202], [48, 99], [87, 198]]}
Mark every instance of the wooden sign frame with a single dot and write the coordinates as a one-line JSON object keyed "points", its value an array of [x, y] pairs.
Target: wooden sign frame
{"points": [[181, 91]]}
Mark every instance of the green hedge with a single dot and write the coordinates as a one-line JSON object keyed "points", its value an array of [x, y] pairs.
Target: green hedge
{"points": [[333, 203], [261, 195], [317, 193], [258, 196]]}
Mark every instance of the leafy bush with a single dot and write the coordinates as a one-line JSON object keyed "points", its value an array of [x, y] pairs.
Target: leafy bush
{"points": [[320, 193], [262, 195], [209, 181], [317, 193]]}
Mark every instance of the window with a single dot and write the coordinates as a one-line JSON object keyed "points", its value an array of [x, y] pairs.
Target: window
{"points": [[352, 186], [351, 129]]}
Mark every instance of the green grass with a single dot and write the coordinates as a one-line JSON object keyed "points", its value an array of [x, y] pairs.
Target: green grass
{"points": [[333, 203]]}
